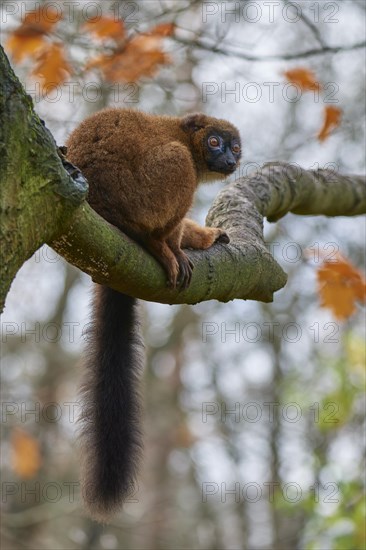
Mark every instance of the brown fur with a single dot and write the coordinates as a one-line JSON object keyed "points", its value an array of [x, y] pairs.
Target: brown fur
{"points": [[143, 171]]}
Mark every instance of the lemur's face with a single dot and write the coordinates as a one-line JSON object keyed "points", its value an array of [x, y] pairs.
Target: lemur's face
{"points": [[223, 150]]}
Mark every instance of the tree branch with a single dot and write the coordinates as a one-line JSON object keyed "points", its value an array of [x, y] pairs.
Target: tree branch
{"points": [[41, 203], [307, 21], [239, 54], [244, 268]]}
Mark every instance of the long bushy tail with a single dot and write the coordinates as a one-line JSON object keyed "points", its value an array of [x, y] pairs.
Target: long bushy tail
{"points": [[111, 432]]}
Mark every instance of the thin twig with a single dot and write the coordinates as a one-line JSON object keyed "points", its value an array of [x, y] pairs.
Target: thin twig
{"points": [[263, 58]]}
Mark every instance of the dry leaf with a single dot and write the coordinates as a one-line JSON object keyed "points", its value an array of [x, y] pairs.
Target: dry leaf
{"points": [[340, 285], [22, 46], [304, 78], [26, 460], [164, 29], [106, 27], [332, 119], [30, 36], [42, 19], [51, 67], [140, 57]]}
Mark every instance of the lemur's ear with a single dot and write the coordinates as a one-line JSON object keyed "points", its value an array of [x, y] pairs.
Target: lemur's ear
{"points": [[193, 122]]}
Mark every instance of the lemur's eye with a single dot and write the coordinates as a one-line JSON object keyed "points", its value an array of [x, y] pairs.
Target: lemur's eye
{"points": [[236, 148], [213, 141]]}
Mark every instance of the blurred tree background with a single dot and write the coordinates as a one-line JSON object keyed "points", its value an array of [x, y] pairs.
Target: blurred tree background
{"points": [[254, 413]]}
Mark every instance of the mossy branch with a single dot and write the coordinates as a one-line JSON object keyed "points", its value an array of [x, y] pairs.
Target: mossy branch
{"points": [[41, 203], [244, 268]]}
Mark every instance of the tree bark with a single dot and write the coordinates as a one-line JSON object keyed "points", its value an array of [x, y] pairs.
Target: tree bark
{"points": [[41, 203], [37, 196]]}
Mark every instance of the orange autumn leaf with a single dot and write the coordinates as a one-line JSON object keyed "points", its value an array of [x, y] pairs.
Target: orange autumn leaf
{"points": [[145, 44], [51, 67], [21, 46], [140, 57], [164, 29], [106, 27], [42, 19], [26, 458], [332, 119], [304, 78], [30, 36], [340, 286]]}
